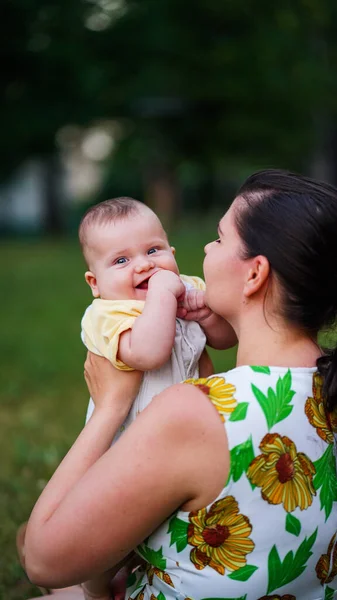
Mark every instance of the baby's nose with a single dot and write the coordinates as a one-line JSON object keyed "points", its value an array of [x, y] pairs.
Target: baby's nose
{"points": [[144, 264]]}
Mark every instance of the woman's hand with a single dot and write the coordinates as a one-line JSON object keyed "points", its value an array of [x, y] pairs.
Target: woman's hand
{"points": [[108, 386]]}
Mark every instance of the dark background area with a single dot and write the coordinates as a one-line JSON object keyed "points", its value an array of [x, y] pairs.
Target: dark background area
{"points": [[195, 95]]}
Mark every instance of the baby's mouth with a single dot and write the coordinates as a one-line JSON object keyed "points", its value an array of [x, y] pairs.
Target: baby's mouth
{"points": [[143, 285]]}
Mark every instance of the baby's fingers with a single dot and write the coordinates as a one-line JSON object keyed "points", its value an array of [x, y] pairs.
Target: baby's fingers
{"points": [[200, 299], [198, 315], [190, 300]]}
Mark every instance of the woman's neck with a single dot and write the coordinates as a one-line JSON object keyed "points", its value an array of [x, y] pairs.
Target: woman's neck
{"points": [[276, 345]]}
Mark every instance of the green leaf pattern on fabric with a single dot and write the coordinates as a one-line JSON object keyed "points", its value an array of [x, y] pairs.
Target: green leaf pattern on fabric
{"points": [[154, 557], [178, 530], [275, 404], [280, 573], [257, 369], [293, 525], [241, 457], [131, 580], [325, 479], [328, 593], [239, 413], [244, 573]]}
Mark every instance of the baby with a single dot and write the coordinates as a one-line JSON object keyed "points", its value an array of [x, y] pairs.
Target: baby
{"points": [[138, 294]]}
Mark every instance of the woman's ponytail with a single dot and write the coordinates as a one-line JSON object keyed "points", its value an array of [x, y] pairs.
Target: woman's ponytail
{"points": [[327, 367]]}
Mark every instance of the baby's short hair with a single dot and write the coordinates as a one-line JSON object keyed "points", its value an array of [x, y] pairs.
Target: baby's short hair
{"points": [[107, 212]]}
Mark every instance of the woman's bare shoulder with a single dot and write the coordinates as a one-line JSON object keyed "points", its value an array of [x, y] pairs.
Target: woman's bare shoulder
{"points": [[194, 435], [183, 403]]}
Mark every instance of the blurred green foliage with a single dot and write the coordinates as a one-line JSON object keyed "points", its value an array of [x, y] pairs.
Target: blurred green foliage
{"points": [[205, 81], [43, 397]]}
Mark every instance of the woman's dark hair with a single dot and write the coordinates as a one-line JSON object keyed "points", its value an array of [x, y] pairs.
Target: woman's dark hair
{"points": [[292, 221]]}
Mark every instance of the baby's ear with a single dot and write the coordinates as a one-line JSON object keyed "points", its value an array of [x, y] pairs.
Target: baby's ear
{"points": [[92, 282], [173, 250]]}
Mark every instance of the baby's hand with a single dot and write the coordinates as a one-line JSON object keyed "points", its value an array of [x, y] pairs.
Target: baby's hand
{"points": [[167, 280], [193, 307]]}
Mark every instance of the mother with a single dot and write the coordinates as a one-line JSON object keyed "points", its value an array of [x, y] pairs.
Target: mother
{"points": [[226, 487]]}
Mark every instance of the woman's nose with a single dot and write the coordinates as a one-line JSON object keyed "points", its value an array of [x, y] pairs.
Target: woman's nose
{"points": [[207, 247]]}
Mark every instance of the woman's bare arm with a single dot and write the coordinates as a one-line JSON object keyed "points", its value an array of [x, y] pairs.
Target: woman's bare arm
{"points": [[119, 496]]}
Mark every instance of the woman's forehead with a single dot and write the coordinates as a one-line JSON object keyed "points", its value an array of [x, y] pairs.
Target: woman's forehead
{"points": [[228, 218]]}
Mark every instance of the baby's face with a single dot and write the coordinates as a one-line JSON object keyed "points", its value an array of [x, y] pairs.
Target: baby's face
{"points": [[124, 255]]}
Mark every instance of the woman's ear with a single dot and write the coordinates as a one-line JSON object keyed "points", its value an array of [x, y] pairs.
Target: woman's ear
{"points": [[257, 275], [92, 282]]}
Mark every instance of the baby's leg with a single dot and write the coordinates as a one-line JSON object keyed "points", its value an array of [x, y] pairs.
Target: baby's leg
{"points": [[112, 583], [206, 368], [98, 588]]}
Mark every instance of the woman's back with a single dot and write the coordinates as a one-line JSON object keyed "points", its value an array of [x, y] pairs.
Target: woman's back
{"points": [[271, 533]]}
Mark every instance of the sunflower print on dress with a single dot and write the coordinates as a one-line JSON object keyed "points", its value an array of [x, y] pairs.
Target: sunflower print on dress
{"points": [[324, 422], [326, 567], [220, 537], [219, 392], [151, 571], [284, 475]]}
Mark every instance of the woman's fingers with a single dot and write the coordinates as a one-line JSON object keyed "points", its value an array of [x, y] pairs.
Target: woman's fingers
{"points": [[102, 378]]}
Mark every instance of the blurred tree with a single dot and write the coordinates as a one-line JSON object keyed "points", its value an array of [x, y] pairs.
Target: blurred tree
{"points": [[214, 83], [44, 60]]}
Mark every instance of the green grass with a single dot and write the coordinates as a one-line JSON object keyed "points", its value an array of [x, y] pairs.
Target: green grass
{"points": [[43, 396]]}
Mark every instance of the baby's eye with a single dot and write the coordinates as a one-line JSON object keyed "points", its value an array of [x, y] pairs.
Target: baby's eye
{"points": [[218, 241], [152, 250], [120, 261]]}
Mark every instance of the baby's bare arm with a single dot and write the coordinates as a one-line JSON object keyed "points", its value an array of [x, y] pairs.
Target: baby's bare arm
{"points": [[219, 333], [149, 343]]}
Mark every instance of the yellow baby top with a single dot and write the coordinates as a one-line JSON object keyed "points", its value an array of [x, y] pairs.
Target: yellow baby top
{"points": [[105, 320]]}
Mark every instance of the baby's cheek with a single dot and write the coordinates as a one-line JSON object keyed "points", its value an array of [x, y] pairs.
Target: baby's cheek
{"points": [[170, 265]]}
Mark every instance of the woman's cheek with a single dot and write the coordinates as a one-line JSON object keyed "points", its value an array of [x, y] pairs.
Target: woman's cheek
{"points": [[206, 265]]}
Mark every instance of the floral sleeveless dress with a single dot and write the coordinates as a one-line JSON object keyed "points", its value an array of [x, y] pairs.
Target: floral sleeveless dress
{"points": [[271, 534]]}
